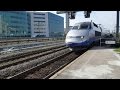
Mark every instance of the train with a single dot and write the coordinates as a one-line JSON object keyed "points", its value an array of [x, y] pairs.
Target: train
{"points": [[82, 35]]}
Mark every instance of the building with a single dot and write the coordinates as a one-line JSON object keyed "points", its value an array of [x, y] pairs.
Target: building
{"points": [[14, 24], [46, 24], [30, 24], [39, 24]]}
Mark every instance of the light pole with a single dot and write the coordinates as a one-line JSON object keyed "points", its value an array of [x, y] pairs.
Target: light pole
{"points": [[1, 26], [117, 27], [7, 29], [67, 22], [39, 28]]}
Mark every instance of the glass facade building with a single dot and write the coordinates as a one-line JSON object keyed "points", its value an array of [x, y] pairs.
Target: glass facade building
{"points": [[14, 24], [55, 25], [29, 24]]}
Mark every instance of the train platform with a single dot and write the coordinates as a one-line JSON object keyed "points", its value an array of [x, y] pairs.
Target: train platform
{"points": [[96, 63]]}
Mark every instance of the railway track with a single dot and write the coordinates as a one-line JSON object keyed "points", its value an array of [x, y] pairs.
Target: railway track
{"points": [[31, 70], [13, 49], [28, 53], [10, 68], [25, 58], [47, 69]]}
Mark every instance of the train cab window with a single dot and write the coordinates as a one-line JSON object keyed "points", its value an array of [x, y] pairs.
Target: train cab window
{"points": [[85, 26], [75, 27]]}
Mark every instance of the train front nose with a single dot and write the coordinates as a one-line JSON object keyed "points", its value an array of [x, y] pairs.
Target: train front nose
{"points": [[74, 41], [76, 38]]}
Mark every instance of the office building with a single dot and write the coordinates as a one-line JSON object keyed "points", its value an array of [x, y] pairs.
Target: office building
{"points": [[46, 24], [14, 24]]}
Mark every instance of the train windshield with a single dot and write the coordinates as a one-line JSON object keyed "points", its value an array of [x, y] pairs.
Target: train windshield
{"points": [[76, 27], [85, 25]]}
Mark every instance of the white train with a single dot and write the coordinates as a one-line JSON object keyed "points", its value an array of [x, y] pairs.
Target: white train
{"points": [[82, 35]]}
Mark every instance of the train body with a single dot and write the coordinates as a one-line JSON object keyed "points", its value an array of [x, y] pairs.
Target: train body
{"points": [[82, 35]]}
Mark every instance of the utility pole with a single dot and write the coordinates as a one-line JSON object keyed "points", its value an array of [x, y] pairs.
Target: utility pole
{"points": [[67, 21], [117, 26]]}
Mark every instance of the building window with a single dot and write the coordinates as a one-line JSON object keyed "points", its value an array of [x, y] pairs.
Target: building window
{"points": [[38, 14], [16, 17], [39, 17], [39, 32], [39, 28], [39, 21], [39, 24]]}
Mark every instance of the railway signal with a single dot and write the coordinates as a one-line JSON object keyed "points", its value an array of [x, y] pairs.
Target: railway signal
{"points": [[87, 14], [72, 15]]}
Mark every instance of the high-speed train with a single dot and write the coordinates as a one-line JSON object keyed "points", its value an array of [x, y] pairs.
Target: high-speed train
{"points": [[82, 35]]}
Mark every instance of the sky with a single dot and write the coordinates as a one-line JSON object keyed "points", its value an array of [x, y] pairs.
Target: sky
{"points": [[106, 18]]}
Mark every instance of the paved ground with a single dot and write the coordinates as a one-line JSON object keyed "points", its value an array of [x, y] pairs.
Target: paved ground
{"points": [[97, 63]]}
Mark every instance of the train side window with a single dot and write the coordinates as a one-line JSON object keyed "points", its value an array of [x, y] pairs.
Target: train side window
{"points": [[95, 25], [75, 27]]}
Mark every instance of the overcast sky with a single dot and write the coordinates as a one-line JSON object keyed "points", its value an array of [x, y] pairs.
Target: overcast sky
{"points": [[106, 18]]}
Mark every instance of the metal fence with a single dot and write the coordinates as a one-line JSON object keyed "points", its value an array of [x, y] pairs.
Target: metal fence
{"points": [[107, 41]]}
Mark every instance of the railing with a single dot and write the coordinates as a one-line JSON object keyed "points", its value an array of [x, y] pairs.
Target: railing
{"points": [[107, 41]]}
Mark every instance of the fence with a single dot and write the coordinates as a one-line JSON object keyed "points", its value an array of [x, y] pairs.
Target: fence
{"points": [[107, 41]]}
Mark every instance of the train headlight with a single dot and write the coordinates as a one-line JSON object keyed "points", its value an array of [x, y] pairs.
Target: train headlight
{"points": [[68, 37], [82, 37]]}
